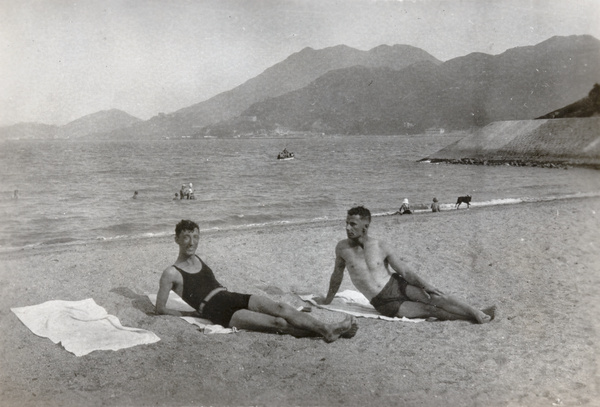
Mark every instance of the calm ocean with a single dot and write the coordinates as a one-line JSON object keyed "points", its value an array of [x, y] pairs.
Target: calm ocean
{"points": [[75, 191]]}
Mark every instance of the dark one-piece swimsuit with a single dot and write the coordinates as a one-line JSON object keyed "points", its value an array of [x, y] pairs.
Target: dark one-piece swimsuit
{"points": [[391, 297], [221, 306]]}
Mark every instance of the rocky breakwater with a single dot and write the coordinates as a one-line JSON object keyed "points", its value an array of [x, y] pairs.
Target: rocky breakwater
{"points": [[547, 142]]}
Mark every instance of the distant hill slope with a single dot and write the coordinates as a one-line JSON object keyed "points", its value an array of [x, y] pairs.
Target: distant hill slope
{"points": [[87, 126], [586, 107], [474, 90], [100, 122], [573, 141], [295, 72]]}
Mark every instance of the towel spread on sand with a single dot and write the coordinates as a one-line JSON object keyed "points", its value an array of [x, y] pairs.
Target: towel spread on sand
{"points": [[175, 302], [354, 303], [81, 326]]}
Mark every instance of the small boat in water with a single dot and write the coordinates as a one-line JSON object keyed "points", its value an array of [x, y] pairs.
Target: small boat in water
{"points": [[285, 155]]}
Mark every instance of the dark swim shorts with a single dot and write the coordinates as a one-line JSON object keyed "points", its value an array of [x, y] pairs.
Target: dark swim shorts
{"points": [[388, 301], [220, 308]]}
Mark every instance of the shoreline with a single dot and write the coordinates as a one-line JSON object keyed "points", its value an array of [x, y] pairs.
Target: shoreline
{"points": [[549, 162], [418, 209], [537, 262]]}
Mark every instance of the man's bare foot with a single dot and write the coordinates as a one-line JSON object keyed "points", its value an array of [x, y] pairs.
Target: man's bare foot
{"points": [[490, 312], [485, 316], [340, 328], [352, 331]]}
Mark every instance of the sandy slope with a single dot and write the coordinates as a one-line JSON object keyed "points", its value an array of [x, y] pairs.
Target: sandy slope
{"points": [[539, 263]]}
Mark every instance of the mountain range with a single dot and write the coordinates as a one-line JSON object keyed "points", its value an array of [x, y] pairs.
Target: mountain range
{"points": [[474, 90], [387, 90], [295, 72]]}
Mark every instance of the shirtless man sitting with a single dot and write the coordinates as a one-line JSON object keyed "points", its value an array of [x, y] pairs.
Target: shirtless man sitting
{"points": [[394, 293], [196, 284]]}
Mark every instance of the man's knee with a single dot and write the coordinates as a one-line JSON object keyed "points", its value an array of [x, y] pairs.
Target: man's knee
{"points": [[268, 306], [280, 323], [283, 310]]}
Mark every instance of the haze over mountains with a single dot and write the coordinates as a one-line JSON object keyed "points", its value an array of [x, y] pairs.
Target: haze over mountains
{"points": [[474, 90], [388, 90], [295, 72], [102, 122]]}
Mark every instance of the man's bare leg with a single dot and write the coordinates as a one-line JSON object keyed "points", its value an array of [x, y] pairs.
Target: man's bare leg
{"points": [[412, 309], [255, 321], [289, 320], [454, 308]]}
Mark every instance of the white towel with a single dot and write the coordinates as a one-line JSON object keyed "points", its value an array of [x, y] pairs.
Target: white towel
{"points": [[176, 303], [81, 326], [354, 303]]}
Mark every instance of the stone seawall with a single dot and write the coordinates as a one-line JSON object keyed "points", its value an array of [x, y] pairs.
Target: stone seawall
{"points": [[549, 142]]}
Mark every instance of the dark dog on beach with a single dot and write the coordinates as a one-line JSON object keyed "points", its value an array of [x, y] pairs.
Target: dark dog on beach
{"points": [[464, 199]]}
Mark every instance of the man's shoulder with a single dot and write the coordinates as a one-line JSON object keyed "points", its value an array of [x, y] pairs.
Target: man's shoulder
{"points": [[170, 272], [343, 244], [377, 243]]}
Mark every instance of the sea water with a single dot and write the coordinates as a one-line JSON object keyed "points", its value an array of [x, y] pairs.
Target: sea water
{"points": [[81, 191]]}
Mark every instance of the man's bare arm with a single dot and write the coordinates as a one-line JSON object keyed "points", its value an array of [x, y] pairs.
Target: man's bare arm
{"points": [[165, 286], [408, 273], [335, 281]]}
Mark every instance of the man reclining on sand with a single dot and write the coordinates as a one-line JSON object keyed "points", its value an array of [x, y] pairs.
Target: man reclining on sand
{"points": [[399, 294], [196, 284]]}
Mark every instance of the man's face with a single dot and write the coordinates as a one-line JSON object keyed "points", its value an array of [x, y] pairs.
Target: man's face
{"points": [[356, 227], [188, 241]]}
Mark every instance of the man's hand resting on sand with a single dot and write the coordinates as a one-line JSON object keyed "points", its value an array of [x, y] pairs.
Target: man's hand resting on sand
{"points": [[320, 300]]}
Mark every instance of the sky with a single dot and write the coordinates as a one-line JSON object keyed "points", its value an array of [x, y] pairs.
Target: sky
{"points": [[61, 60]]}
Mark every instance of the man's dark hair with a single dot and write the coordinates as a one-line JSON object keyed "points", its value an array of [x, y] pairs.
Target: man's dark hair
{"points": [[185, 225], [361, 211]]}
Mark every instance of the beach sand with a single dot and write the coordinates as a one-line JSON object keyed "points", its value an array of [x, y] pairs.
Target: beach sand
{"points": [[539, 263]]}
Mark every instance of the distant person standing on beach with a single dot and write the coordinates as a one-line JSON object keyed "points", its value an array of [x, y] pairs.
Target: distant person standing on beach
{"points": [[435, 206], [196, 284], [15, 194], [398, 292]]}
